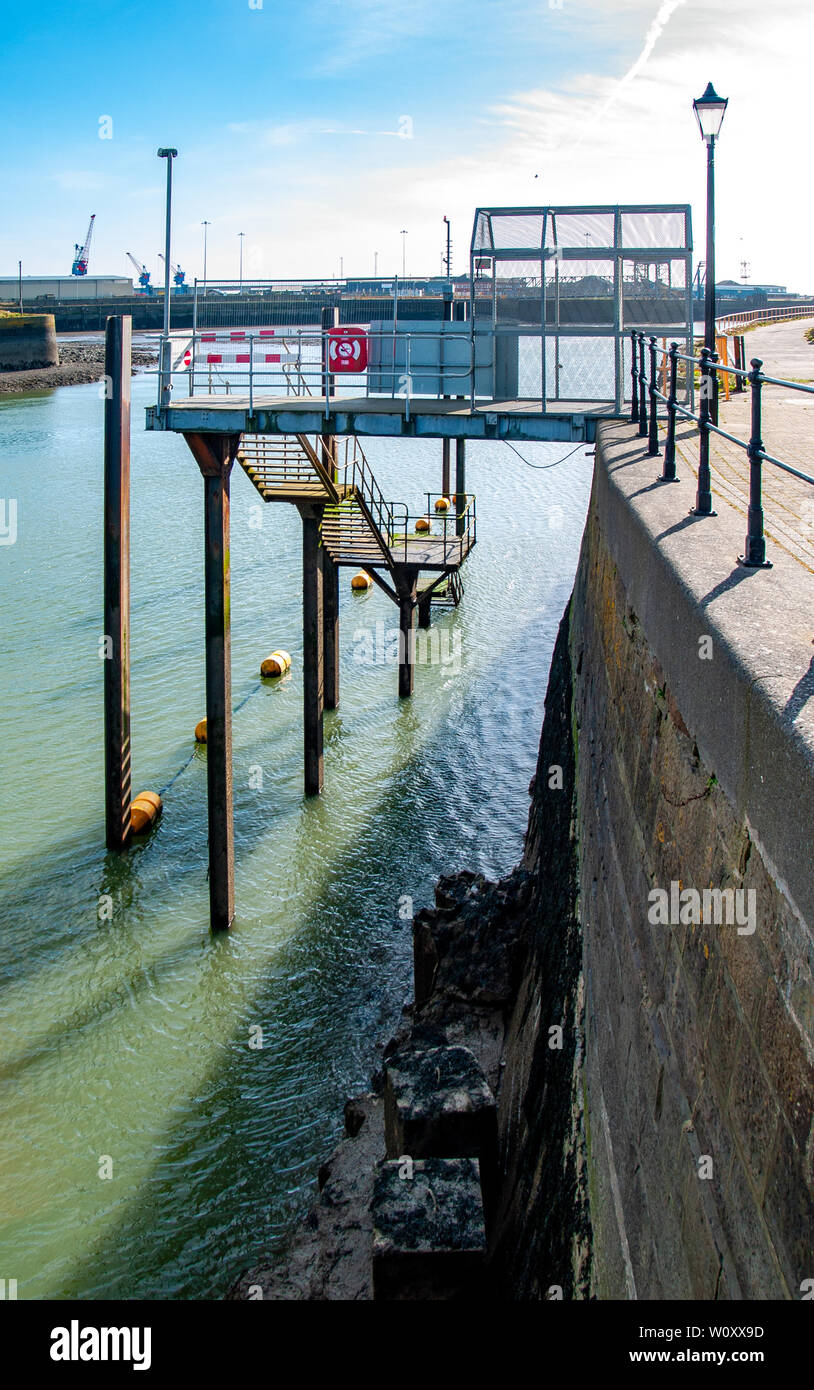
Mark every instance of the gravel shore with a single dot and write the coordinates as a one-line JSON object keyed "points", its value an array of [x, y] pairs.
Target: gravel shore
{"points": [[79, 363]]}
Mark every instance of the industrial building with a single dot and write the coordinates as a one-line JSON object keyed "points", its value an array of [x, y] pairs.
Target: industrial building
{"points": [[43, 289]]}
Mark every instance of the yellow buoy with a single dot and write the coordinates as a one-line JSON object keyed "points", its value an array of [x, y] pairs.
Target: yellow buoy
{"points": [[144, 811], [200, 731], [276, 665], [362, 580], [423, 524], [442, 504]]}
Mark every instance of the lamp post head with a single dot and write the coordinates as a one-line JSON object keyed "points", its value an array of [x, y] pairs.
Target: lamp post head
{"points": [[709, 112], [166, 153]]}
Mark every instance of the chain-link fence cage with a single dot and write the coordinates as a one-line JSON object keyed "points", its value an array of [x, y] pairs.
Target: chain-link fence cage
{"points": [[564, 286]]}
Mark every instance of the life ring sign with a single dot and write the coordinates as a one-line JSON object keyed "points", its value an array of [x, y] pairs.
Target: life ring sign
{"points": [[347, 349]]}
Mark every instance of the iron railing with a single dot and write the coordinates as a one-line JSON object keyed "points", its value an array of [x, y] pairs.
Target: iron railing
{"points": [[295, 361], [750, 318], [644, 413], [458, 530]]}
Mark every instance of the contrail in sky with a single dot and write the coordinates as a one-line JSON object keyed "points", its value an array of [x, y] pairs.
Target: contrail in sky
{"points": [[665, 13]]}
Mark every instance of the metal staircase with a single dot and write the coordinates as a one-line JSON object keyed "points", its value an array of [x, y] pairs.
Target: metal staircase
{"points": [[359, 526]]}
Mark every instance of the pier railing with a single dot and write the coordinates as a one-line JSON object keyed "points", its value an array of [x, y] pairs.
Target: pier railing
{"points": [[297, 362], [458, 529], [752, 318], [646, 396]]}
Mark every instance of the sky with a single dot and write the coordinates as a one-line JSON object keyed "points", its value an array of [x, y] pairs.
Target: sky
{"points": [[323, 129]]}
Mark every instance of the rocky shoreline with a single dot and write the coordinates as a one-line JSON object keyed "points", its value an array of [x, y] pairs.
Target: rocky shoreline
{"points": [[498, 992], [469, 951], [79, 364]]}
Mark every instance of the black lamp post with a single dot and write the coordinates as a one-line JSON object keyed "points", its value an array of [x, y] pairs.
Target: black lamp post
{"points": [[709, 112]]}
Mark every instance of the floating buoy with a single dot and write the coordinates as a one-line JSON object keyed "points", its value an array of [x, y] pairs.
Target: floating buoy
{"points": [[362, 580], [276, 665], [144, 811], [200, 732], [423, 524], [442, 504]]}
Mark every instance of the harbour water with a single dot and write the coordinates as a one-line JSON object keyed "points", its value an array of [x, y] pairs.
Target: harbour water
{"points": [[151, 1148]]}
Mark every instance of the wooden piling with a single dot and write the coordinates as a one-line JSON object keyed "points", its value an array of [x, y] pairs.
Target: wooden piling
{"points": [[313, 646], [424, 610], [330, 657], [460, 484], [406, 586], [118, 790], [214, 455]]}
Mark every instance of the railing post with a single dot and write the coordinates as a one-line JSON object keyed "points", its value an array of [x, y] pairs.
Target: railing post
{"points": [[703, 497], [634, 390], [668, 472], [740, 359], [642, 391], [653, 435], [754, 553]]}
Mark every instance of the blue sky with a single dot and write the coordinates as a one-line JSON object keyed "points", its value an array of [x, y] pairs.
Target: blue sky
{"points": [[323, 127]]}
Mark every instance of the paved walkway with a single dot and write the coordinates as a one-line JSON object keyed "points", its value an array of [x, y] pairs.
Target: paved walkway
{"points": [[788, 433]]}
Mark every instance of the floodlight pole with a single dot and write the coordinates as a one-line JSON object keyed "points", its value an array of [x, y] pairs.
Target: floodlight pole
{"points": [[165, 364]]}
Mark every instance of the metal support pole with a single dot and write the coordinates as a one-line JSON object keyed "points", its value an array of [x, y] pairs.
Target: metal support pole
{"points": [[754, 554], [449, 310], [329, 320], [634, 389], [424, 611], [406, 586], [668, 473], [460, 485], [653, 435], [642, 390], [703, 498], [736, 361], [117, 583], [330, 601], [214, 455], [313, 647]]}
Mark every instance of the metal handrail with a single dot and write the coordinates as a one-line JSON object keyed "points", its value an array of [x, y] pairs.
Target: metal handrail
{"points": [[749, 318], [644, 412], [318, 368]]}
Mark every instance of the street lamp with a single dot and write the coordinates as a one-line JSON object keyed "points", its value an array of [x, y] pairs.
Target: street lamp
{"points": [[404, 253], [169, 155], [241, 235], [709, 112], [165, 364], [205, 225]]}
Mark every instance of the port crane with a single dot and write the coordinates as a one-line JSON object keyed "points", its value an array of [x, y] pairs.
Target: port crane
{"points": [[178, 275], [143, 274], [81, 253]]}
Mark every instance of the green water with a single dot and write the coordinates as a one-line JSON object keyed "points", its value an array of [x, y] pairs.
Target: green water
{"points": [[128, 1039]]}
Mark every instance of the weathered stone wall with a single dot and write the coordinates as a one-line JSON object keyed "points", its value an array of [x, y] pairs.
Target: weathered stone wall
{"points": [[26, 341], [698, 1039]]}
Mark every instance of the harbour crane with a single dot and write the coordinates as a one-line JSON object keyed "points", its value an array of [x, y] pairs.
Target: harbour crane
{"points": [[143, 274], [178, 275], [81, 253]]}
